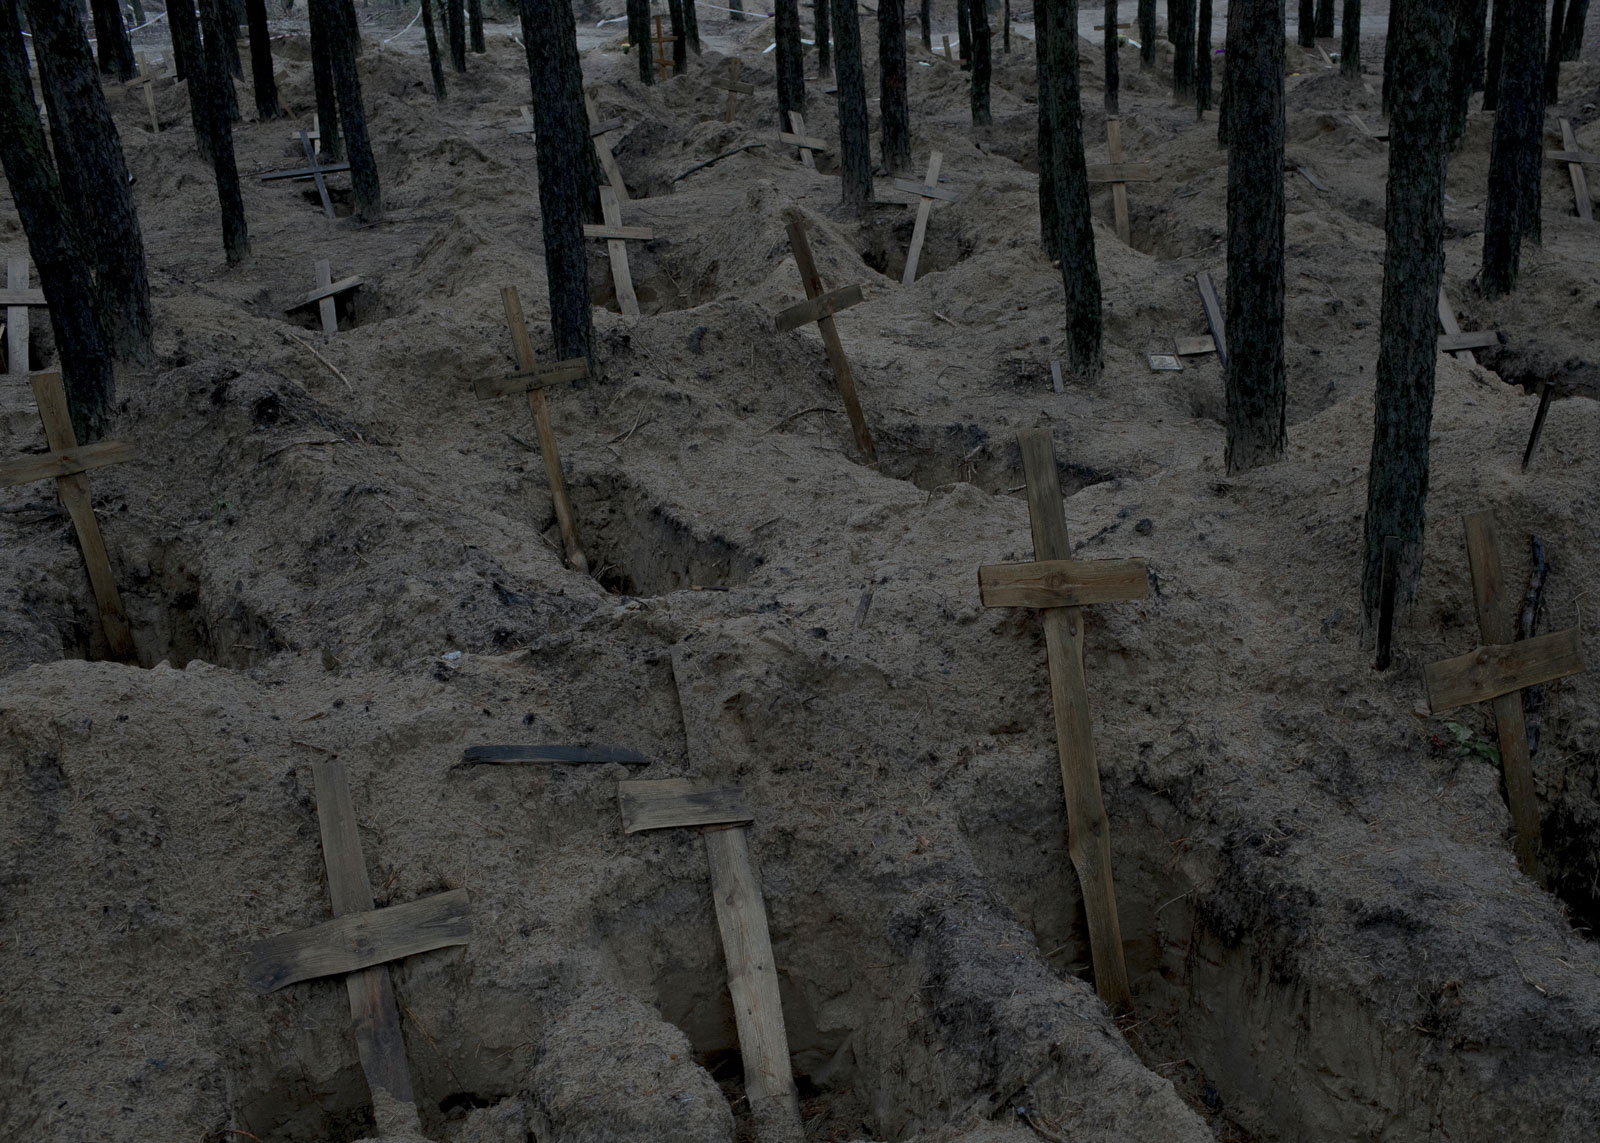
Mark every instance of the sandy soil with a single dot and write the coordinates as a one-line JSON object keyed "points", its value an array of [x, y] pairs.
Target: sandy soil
{"points": [[1328, 934]]}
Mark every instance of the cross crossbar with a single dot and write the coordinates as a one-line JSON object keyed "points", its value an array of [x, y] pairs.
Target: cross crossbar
{"points": [[1489, 672], [1063, 583], [17, 323], [1214, 318], [817, 308], [570, 369], [1575, 160], [65, 462], [1453, 341], [927, 192], [796, 136]]}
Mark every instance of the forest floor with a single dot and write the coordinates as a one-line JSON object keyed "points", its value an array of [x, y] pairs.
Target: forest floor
{"points": [[1327, 932]]}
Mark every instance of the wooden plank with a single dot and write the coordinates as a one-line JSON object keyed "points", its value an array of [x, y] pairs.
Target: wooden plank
{"points": [[568, 369], [919, 232], [360, 940], [150, 106], [604, 126], [1063, 583], [51, 399], [1311, 177], [1572, 156], [1214, 318], [1575, 160], [316, 173], [620, 233], [372, 1006], [1055, 376], [326, 290], [1447, 321], [549, 449], [817, 308], [515, 754], [621, 275], [608, 161], [15, 297], [1481, 339], [525, 127], [1119, 189], [926, 189], [1547, 393], [1489, 672], [1121, 172], [66, 462], [304, 172], [734, 88], [947, 56], [753, 984], [1193, 346], [17, 329], [1088, 829], [327, 308], [668, 803], [797, 137]]}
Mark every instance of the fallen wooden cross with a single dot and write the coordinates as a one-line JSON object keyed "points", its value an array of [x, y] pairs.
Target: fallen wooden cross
{"points": [[311, 171], [1062, 586], [531, 379], [608, 161], [17, 297], [1119, 175], [1498, 671], [315, 134], [325, 296], [661, 48], [734, 87], [1214, 318], [820, 307], [525, 126], [70, 463], [617, 237], [1360, 124], [928, 190], [358, 944], [724, 820], [1310, 176], [568, 755], [1575, 160], [796, 136], [1460, 345]]}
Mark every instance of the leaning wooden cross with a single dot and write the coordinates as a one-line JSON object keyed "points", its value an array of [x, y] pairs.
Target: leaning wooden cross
{"points": [[312, 170], [69, 464], [1497, 672], [531, 379], [617, 237], [1460, 345], [1214, 319], [1062, 587], [820, 307], [1119, 175], [797, 137], [325, 296], [357, 945], [724, 819], [16, 298], [927, 190], [1575, 160], [608, 161], [734, 87], [145, 80]]}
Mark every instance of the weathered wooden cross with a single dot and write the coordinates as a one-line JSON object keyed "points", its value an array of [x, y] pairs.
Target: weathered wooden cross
{"points": [[315, 134], [734, 87], [820, 307], [1460, 345], [927, 190], [358, 944], [661, 42], [17, 297], [1119, 175], [608, 161], [326, 295], [1379, 136], [796, 136], [525, 125], [70, 463], [1062, 587], [145, 80], [1497, 672], [1575, 160], [313, 170], [531, 379], [724, 819], [1214, 318], [617, 237]]}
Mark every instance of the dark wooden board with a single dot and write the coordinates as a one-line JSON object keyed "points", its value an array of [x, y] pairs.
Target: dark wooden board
{"points": [[66, 461], [1063, 583], [671, 802], [817, 308], [510, 755], [1489, 672]]}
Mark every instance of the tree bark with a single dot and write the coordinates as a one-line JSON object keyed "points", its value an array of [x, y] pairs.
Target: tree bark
{"points": [[213, 74], [822, 18], [1477, 24], [1225, 96], [475, 27], [791, 61], [1147, 33], [1552, 67], [1397, 479], [1572, 33], [964, 33], [1306, 26], [639, 38], [458, 34], [329, 146], [57, 247], [680, 38], [116, 51], [1459, 79], [1350, 40], [435, 62], [691, 23], [1113, 74], [735, 11], [894, 132], [261, 60], [229, 17], [1180, 17], [925, 18], [1064, 182], [1515, 150], [1256, 384], [94, 175], [1496, 53], [1390, 39], [1324, 27], [982, 63], [855, 145], [187, 60], [1202, 61], [338, 18], [565, 159]]}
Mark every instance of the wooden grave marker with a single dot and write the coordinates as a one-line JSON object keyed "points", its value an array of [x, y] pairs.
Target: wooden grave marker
{"points": [[724, 820], [70, 463], [819, 307], [1498, 671], [145, 81], [617, 237], [1360, 124], [358, 944], [1119, 174], [313, 170], [17, 297], [1575, 160], [661, 43], [530, 378], [1062, 586], [315, 134], [1547, 394], [1214, 316], [734, 87], [927, 190], [948, 58], [525, 124], [796, 136], [1460, 345], [325, 296], [608, 161]]}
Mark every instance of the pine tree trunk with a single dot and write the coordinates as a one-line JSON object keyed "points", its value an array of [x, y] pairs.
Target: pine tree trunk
{"points": [[791, 61], [1460, 79], [1552, 67], [1062, 170], [925, 17], [566, 168], [116, 51], [1113, 75], [188, 57], [1307, 24], [1256, 385], [435, 62], [261, 60], [1147, 33], [735, 11], [982, 63], [211, 75], [458, 34], [229, 16], [680, 39], [330, 146], [1202, 61], [1397, 480], [855, 145], [337, 16], [691, 23], [1515, 150], [1325, 19], [1350, 40], [1477, 23], [1225, 96], [1049, 202], [639, 37], [1496, 53], [56, 245], [138, 14], [1572, 34], [475, 27], [94, 175], [1180, 16], [964, 32], [894, 134], [822, 32]]}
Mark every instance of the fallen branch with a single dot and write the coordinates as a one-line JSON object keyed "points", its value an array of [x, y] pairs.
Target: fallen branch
{"points": [[718, 159], [801, 413], [313, 351]]}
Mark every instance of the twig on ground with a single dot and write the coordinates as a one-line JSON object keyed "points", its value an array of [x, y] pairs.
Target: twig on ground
{"points": [[313, 351], [717, 159]]}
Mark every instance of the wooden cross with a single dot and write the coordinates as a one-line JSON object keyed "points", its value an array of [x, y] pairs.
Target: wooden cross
{"points": [[525, 127], [312, 171], [724, 820], [928, 190], [1119, 175], [734, 88], [325, 295], [608, 161], [358, 944], [617, 237], [1360, 124], [948, 58], [315, 135], [820, 307], [17, 297], [1214, 318], [797, 137], [661, 47], [69, 464], [531, 379], [1498, 671], [1460, 345], [1062, 587], [146, 81], [1547, 394], [1575, 160]]}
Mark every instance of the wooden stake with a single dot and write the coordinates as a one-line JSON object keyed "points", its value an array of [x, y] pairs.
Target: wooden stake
{"points": [[734, 88], [830, 333], [17, 328], [1575, 160], [948, 58], [1062, 586], [1547, 394], [1214, 318], [608, 161], [927, 191], [617, 236], [1119, 186], [797, 137]]}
